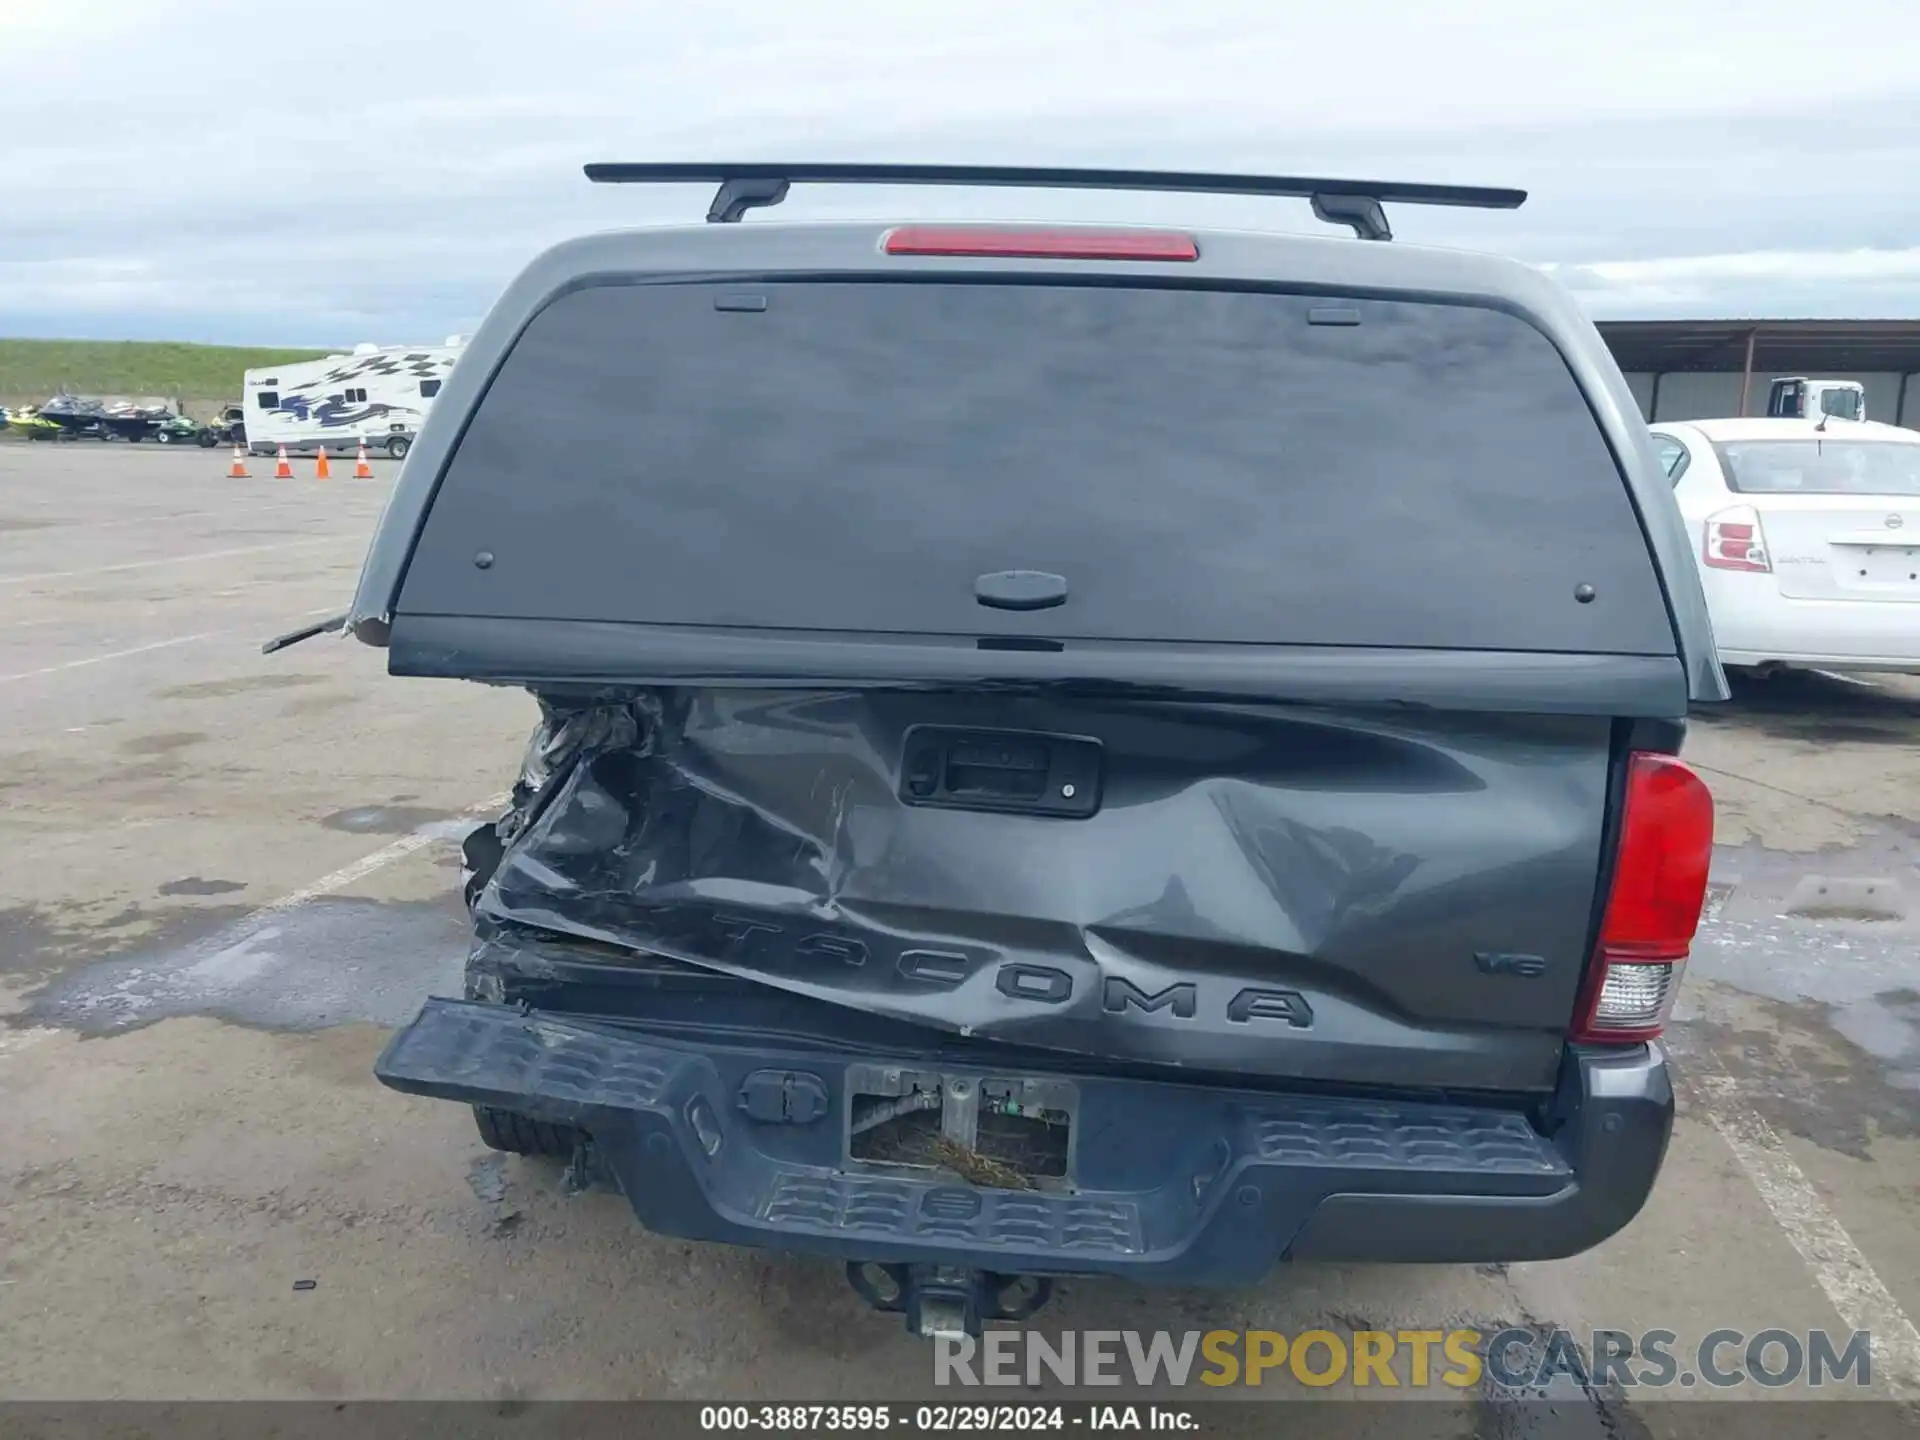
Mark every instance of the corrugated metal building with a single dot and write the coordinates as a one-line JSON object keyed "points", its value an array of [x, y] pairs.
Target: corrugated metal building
{"points": [[1693, 369]]}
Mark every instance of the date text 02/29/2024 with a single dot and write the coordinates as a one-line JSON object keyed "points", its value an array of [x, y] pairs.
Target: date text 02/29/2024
{"points": [[943, 1419]]}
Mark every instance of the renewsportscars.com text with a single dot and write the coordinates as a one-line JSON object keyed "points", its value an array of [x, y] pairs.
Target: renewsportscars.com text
{"points": [[1515, 1358]]}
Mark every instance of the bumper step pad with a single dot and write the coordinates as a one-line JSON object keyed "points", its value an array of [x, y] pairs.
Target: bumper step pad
{"points": [[1183, 1181]]}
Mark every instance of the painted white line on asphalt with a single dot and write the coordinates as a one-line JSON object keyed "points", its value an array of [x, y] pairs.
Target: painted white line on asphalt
{"points": [[111, 655], [64, 522], [1841, 1270], [358, 870], [181, 559], [142, 649]]}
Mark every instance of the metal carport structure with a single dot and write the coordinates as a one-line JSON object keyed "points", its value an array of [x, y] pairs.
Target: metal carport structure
{"points": [[1885, 351]]}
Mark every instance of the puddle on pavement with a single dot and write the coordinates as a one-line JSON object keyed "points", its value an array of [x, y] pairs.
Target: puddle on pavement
{"points": [[1839, 977], [329, 962], [164, 743], [1826, 945], [1818, 708], [194, 885], [1839, 1077], [37, 943], [389, 820]]}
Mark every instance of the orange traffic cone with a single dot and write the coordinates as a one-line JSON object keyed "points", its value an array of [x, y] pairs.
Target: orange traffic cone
{"points": [[320, 470], [362, 470], [239, 470], [283, 471]]}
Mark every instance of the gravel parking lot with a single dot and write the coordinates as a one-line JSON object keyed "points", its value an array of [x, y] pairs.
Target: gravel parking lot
{"points": [[226, 875]]}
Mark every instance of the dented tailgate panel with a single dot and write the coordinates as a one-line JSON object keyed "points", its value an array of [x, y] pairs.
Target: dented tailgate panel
{"points": [[1381, 897]]}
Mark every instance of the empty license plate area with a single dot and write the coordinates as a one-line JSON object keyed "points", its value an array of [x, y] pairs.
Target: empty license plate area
{"points": [[1879, 567], [999, 1132]]}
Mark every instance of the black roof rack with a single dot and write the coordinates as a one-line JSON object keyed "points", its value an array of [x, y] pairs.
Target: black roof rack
{"points": [[1357, 203]]}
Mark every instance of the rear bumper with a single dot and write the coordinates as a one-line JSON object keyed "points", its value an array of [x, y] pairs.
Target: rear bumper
{"points": [[1174, 1184], [1753, 624], [1823, 659]]}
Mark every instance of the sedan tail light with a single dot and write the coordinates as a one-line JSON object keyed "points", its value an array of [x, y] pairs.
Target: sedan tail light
{"points": [[1735, 541]]}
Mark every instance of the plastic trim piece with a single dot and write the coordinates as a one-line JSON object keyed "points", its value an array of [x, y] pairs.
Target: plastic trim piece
{"points": [[546, 652]]}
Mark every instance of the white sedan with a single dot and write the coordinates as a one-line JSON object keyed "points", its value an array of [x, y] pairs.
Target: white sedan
{"points": [[1807, 537]]}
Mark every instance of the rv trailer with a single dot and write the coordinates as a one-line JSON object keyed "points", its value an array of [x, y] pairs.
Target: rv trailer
{"points": [[378, 395]]}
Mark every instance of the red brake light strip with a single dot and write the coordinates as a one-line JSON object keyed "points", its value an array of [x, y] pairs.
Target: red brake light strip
{"points": [[1042, 244]]}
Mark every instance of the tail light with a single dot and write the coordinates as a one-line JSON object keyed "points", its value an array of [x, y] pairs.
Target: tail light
{"points": [[1735, 541], [1653, 908], [1041, 244]]}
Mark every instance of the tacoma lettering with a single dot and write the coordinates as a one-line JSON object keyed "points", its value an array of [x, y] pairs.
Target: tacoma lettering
{"points": [[765, 943], [1181, 998], [833, 947], [1022, 981], [935, 967], [1288, 1005]]}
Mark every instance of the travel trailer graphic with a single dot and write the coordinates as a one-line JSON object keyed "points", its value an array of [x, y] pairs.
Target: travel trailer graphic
{"points": [[377, 396]]}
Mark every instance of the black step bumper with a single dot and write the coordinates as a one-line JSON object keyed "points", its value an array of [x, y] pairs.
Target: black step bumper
{"points": [[1175, 1184]]}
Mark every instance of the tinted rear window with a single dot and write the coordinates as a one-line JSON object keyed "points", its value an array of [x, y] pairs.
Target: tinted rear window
{"points": [[1200, 465], [1821, 467]]}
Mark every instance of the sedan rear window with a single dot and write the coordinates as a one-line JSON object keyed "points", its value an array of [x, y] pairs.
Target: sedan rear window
{"points": [[1822, 467]]}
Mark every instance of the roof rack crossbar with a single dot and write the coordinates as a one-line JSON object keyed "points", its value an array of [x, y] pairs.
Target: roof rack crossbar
{"points": [[1358, 203]]}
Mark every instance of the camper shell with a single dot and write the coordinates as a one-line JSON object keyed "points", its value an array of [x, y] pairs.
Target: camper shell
{"points": [[1088, 751]]}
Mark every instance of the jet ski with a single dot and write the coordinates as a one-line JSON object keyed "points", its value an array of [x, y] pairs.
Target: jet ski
{"points": [[133, 422], [75, 416], [30, 423]]}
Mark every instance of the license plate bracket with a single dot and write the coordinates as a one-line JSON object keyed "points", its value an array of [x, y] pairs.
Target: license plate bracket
{"points": [[993, 1131]]}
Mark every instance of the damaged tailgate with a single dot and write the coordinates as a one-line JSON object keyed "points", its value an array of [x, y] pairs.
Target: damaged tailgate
{"points": [[1272, 891]]}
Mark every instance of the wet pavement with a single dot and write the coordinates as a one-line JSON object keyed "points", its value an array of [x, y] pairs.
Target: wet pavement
{"points": [[227, 875], [331, 962]]}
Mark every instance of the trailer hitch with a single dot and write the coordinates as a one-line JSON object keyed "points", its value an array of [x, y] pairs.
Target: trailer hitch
{"points": [[947, 1299]]}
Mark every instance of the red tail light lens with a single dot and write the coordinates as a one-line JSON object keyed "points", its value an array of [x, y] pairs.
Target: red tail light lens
{"points": [[1653, 909], [1735, 541], [1042, 244]]}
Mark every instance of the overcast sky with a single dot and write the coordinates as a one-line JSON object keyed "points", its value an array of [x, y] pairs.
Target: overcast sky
{"points": [[350, 170]]}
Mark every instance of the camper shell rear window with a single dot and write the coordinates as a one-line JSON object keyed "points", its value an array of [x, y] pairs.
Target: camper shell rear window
{"points": [[1198, 464]]}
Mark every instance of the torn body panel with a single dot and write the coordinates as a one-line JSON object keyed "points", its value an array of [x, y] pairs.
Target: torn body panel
{"points": [[1280, 892]]}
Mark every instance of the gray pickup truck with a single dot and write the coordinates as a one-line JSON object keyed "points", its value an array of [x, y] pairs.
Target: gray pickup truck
{"points": [[1064, 750]]}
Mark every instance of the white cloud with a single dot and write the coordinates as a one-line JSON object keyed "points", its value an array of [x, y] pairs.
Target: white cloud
{"points": [[1840, 266], [268, 170], [1847, 283]]}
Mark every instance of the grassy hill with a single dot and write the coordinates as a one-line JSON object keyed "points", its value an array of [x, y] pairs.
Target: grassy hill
{"points": [[31, 370]]}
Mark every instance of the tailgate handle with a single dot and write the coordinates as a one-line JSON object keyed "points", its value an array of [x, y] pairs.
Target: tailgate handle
{"points": [[1021, 590], [1011, 771]]}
